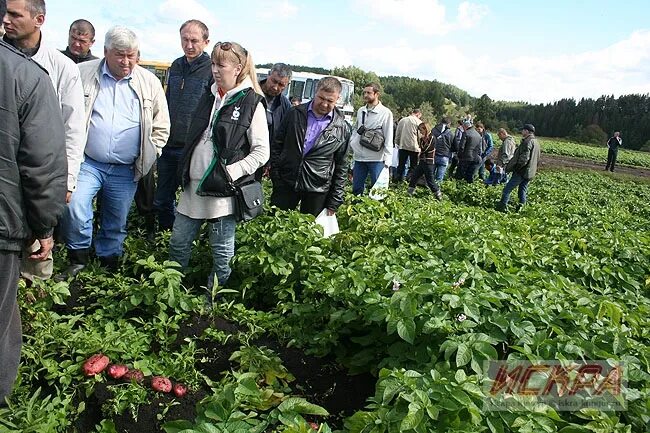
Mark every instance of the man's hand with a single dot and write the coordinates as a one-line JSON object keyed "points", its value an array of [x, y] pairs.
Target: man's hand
{"points": [[330, 212], [68, 196], [42, 253]]}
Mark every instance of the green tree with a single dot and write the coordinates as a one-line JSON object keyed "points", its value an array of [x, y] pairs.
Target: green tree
{"points": [[485, 111]]}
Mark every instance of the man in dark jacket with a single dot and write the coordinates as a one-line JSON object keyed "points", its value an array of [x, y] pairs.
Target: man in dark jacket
{"points": [[33, 181], [469, 152], [277, 104], [612, 150], [81, 38], [443, 145], [309, 154], [523, 167], [189, 77]]}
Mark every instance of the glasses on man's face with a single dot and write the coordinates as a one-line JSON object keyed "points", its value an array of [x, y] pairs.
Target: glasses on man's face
{"points": [[228, 46]]}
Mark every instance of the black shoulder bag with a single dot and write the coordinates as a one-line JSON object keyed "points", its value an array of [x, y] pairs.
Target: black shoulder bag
{"points": [[372, 139]]}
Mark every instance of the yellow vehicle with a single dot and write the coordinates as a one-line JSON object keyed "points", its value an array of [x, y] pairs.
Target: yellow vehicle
{"points": [[161, 69]]}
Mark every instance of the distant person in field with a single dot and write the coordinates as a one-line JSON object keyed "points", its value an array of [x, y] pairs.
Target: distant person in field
{"points": [[189, 79], [277, 105], [426, 164], [469, 152], [523, 167], [295, 101], [407, 139], [507, 148], [612, 150], [496, 174], [458, 134], [81, 38], [309, 161], [443, 142], [486, 147], [370, 162]]}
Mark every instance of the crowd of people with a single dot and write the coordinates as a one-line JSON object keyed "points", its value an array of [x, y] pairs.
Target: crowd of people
{"points": [[85, 136]]}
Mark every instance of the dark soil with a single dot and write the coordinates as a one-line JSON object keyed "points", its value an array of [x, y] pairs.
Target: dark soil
{"points": [[320, 380], [549, 162]]}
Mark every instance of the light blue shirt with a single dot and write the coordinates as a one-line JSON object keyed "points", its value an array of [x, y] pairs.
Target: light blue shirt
{"points": [[114, 132]]}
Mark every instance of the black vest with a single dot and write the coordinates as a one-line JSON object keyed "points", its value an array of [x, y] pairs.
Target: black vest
{"points": [[229, 137]]}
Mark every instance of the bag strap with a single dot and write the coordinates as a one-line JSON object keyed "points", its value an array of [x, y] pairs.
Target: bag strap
{"points": [[363, 118]]}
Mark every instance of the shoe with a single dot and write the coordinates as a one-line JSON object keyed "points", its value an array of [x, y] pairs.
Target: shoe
{"points": [[111, 263], [70, 272], [410, 190], [502, 207], [438, 195], [520, 207]]}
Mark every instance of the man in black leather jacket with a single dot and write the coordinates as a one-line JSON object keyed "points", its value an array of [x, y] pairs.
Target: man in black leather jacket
{"points": [[33, 181], [309, 154]]}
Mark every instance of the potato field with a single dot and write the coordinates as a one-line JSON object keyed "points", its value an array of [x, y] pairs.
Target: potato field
{"points": [[384, 327]]}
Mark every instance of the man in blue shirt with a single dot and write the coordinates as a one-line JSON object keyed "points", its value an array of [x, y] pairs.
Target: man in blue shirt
{"points": [[128, 124]]}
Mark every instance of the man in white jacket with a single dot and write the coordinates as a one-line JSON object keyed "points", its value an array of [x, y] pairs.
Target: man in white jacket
{"points": [[127, 124], [372, 116], [22, 24]]}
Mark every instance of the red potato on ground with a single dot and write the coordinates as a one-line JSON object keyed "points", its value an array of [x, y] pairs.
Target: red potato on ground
{"points": [[161, 384], [117, 371], [179, 390], [133, 375], [95, 364]]}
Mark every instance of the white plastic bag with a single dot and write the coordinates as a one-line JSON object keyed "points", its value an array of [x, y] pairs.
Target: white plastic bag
{"points": [[329, 222], [378, 190]]}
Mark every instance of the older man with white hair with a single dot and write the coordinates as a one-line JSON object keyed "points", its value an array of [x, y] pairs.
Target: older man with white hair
{"points": [[128, 124]]}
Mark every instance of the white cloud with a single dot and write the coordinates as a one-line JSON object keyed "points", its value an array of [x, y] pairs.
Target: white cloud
{"points": [[279, 10], [426, 17], [178, 11]]}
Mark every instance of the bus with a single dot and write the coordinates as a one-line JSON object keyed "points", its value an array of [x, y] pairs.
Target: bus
{"points": [[160, 69], [303, 86]]}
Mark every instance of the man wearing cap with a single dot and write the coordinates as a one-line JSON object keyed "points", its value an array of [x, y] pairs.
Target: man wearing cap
{"points": [[523, 167]]}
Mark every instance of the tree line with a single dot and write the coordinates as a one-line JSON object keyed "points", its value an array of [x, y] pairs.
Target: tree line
{"points": [[588, 120]]}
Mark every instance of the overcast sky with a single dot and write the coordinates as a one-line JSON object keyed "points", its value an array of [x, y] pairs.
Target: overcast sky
{"points": [[512, 50]]}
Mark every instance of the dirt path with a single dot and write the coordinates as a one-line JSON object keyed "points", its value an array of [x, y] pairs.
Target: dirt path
{"points": [[557, 161]]}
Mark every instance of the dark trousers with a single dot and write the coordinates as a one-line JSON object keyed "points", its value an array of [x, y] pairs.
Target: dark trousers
{"points": [[10, 329], [168, 183], [467, 170], [285, 197], [611, 159], [424, 169], [403, 155], [452, 165], [144, 198]]}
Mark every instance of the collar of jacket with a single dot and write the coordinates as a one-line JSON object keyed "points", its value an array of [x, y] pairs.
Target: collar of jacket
{"points": [[302, 108], [198, 62]]}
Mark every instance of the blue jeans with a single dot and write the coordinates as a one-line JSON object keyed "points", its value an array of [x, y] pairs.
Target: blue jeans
{"points": [[441, 163], [222, 241], [117, 190], [360, 173], [168, 183], [515, 180]]}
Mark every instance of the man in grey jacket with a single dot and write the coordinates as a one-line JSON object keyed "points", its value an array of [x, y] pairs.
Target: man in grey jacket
{"points": [[523, 167], [33, 173], [373, 115], [128, 124]]}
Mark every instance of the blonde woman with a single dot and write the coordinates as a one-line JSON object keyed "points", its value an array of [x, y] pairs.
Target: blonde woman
{"points": [[228, 141]]}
